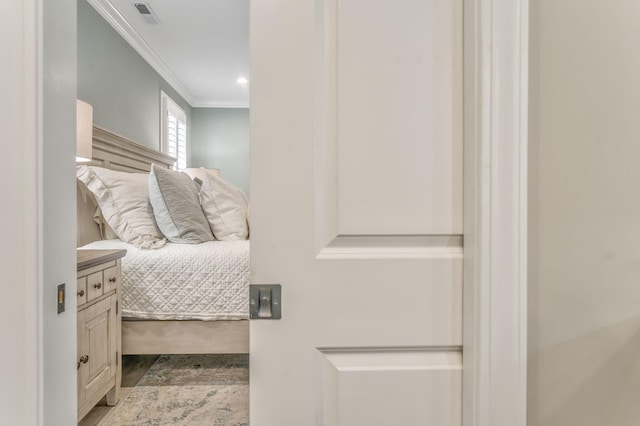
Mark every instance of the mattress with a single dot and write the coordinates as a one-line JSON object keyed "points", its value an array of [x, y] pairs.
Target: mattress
{"points": [[207, 281]]}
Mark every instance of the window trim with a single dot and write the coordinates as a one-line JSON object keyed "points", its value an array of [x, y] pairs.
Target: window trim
{"points": [[167, 104]]}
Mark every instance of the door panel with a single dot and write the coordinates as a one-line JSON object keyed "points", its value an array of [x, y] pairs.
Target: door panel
{"points": [[98, 331], [99, 339], [414, 384], [398, 107], [356, 192]]}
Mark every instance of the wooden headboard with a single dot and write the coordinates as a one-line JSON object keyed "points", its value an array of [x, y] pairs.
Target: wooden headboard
{"points": [[114, 152]]}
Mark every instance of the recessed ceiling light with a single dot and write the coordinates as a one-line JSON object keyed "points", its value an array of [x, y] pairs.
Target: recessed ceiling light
{"points": [[243, 80]]}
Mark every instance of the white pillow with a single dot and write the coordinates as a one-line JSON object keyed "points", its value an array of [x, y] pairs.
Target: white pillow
{"points": [[105, 230], [200, 172], [176, 207], [225, 207], [123, 199]]}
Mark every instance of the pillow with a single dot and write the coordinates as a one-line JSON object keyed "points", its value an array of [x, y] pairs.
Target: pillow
{"points": [[123, 199], [225, 207], [200, 172], [106, 233], [176, 207]]}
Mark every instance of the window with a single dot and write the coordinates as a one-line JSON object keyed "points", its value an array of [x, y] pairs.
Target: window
{"points": [[174, 131]]}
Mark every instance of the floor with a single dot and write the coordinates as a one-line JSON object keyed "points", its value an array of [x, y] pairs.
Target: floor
{"points": [[179, 390]]}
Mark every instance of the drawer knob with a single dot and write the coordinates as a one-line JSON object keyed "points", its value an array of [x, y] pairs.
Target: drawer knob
{"points": [[81, 293], [112, 279], [83, 360], [98, 286]]}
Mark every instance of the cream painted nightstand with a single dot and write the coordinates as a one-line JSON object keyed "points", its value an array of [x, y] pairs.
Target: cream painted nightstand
{"points": [[99, 322]]}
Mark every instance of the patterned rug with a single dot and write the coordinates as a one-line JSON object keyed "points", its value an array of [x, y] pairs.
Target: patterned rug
{"points": [[207, 390]]}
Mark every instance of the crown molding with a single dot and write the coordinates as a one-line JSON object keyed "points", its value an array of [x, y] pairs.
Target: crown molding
{"points": [[109, 12], [211, 104]]}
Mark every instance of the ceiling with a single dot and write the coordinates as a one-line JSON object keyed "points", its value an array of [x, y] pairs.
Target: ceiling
{"points": [[201, 47]]}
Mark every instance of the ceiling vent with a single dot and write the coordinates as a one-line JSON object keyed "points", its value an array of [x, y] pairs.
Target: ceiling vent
{"points": [[147, 14]]}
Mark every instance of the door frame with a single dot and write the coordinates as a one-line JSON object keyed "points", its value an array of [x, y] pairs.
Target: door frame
{"points": [[495, 218], [22, 260], [495, 270]]}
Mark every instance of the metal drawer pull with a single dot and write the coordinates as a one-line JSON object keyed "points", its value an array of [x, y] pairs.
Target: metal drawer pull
{"points": [[83, 359], [98, 286], [81, 293], [112, 279]]}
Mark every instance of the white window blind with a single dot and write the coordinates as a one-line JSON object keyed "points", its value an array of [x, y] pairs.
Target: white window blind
{"points": [[174, 135]]}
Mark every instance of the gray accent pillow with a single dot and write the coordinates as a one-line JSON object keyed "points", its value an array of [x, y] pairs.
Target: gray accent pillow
{"points": [[176, 207]]}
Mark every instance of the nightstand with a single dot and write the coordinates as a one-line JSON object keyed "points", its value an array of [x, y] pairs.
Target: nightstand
{"points": [[99, 322]]}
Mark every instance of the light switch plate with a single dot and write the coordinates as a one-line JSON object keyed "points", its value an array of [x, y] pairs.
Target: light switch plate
{"points": [[61, 298]]}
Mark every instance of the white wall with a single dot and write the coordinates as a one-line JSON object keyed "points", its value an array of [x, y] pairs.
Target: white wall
{"points": [[584, 297], [19, 360], [38, 83]]}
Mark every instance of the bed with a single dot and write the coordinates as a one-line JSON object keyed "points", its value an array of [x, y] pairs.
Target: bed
{"points": [[181, 298]]}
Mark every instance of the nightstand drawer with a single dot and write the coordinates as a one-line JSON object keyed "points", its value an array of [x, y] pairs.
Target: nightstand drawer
{"points": [[82, 291], [95, 286], [110, 279]]}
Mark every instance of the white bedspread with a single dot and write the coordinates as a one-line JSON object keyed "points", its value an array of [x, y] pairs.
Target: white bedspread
{"points": [[208, 281]]}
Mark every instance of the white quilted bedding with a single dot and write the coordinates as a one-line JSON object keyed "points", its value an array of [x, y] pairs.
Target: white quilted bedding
{"points": [[208, 281]]}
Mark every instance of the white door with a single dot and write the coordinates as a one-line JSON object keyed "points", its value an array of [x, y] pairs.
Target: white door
{"points": [[356, 192]]}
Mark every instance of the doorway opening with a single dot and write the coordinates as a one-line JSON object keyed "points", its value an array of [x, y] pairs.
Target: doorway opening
{"points": [[169, 82]]}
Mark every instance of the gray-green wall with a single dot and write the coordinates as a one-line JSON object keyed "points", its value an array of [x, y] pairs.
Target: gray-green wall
{"points": [[122, 87], [220, 139], [124, 91]]}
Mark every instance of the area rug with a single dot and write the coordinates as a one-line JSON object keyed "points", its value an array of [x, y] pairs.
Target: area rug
{"points": [[189, 390]]}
